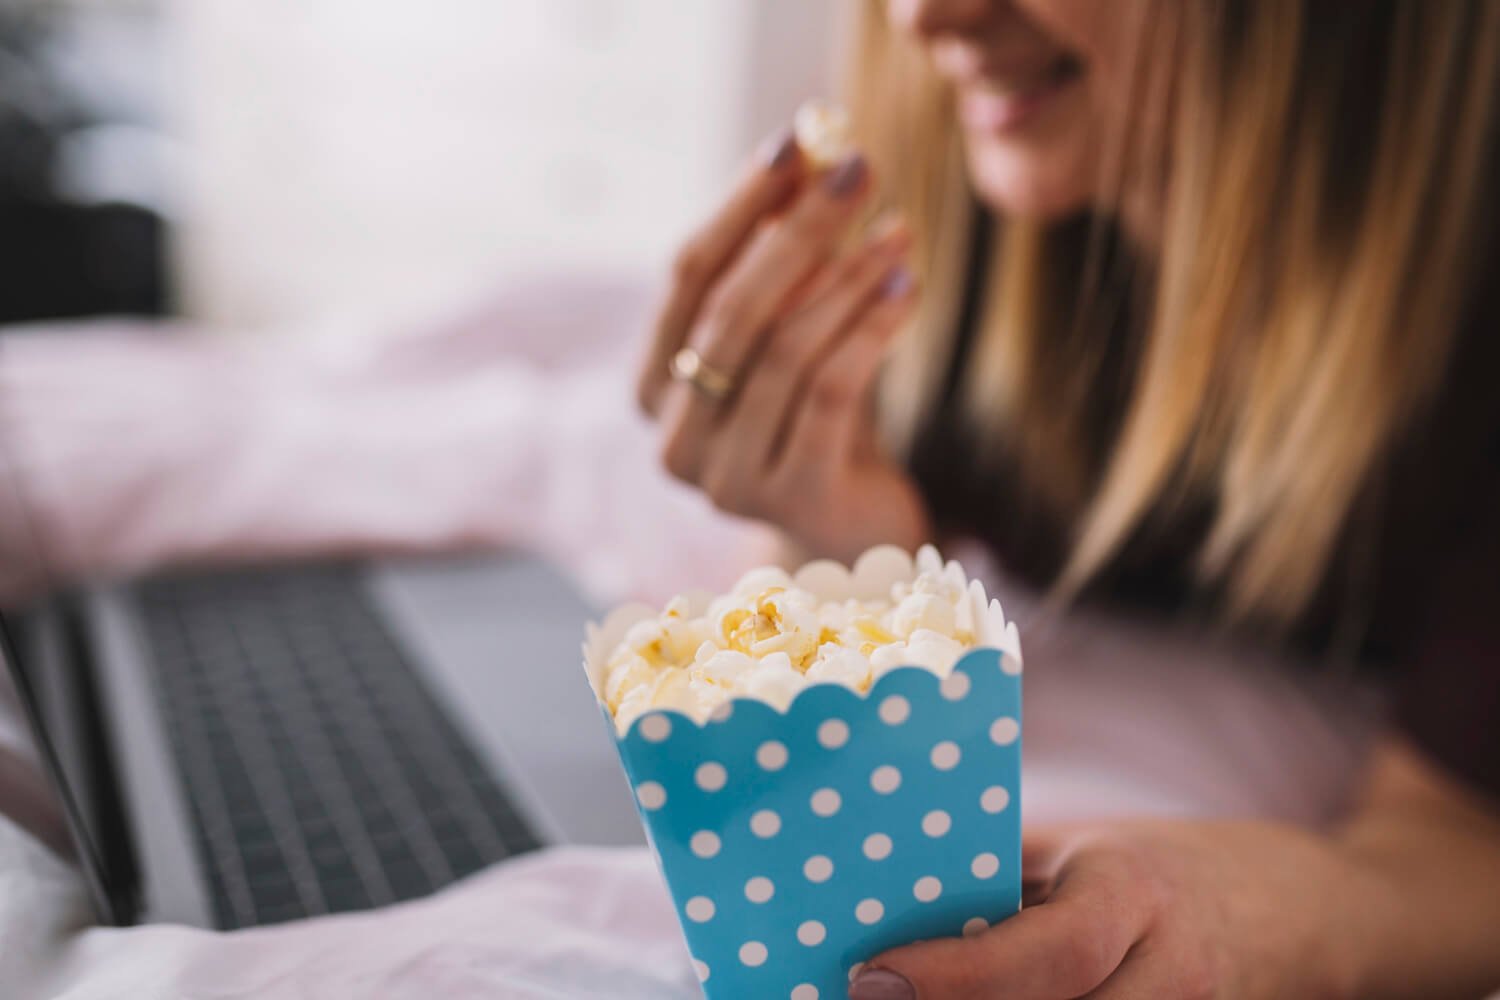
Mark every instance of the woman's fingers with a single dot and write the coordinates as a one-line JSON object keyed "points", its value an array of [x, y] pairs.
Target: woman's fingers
{"points": [[1064, 948], [770, 181], [752, 429], [777, 259], [833, 404], [748, 299], [1139, 978]]}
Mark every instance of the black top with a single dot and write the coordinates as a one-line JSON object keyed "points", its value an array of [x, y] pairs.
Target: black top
{"points": [[1412, 591]]}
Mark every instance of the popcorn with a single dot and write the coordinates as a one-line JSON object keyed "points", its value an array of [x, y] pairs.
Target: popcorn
{"points": [[838, 665], [933, 650], [823, 133], [927, 611], [769, 638]]}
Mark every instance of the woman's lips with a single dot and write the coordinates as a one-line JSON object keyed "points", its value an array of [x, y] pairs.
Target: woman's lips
{"points": [[987, 107]]}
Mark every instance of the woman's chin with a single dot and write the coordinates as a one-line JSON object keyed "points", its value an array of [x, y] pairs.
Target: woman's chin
{"points": [[1025, 182]]}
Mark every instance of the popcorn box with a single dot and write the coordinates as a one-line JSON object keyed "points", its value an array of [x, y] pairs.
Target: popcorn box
{"points": [[799, 845]]}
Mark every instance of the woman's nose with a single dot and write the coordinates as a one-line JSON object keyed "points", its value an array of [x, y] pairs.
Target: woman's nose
{"points": [[928, 18]]}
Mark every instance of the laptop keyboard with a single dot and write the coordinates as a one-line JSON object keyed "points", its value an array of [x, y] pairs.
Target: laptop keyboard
{"points": [[321, 774]]}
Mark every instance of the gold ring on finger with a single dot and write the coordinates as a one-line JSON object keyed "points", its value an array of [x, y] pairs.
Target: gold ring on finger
{"points": [[688, 366]]}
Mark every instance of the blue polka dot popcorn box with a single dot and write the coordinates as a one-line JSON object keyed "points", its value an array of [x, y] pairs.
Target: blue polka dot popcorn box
{"points": [[799, 845]]}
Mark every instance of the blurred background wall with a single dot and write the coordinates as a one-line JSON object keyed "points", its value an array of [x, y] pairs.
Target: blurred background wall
{"points": [[307, 157]]}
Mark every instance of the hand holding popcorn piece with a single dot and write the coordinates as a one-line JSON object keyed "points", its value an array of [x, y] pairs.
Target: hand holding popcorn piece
{"points": [[768, 344]]}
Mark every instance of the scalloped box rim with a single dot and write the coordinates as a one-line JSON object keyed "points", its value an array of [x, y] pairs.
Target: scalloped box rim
{"points": [[726, 711]]}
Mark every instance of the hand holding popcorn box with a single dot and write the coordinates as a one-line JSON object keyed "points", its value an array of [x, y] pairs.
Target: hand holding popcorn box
{"points": [[827, 763]]}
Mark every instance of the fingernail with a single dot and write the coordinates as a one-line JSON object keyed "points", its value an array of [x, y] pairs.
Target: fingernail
{"points": [[897, 283], [845, 178], [780, 150], [881, 984]]}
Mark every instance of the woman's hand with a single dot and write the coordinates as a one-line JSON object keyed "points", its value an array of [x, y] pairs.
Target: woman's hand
{"points": [[1400, 902], [1160, 910], [765, 295]]}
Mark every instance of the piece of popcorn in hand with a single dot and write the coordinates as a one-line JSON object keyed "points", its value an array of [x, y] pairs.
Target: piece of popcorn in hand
{"points": [[823, 132]]}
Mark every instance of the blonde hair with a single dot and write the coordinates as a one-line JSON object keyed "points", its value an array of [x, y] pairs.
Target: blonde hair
{"points": [[1321, 172]]}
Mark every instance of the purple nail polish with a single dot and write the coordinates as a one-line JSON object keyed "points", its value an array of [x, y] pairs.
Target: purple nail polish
{"points": [[780, 150], [898, 282], [846, 178], [881, 984]]}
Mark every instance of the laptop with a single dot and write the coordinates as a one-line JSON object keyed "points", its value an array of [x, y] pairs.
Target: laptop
{"points": [[246, 747]]}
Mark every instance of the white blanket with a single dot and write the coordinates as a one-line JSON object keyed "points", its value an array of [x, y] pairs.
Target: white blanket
{"points": [[561, 924]]}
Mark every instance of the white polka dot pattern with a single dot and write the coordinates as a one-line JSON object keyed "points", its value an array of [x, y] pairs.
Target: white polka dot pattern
{"points": [[1005, 731], [955, 687], [885, 779], [711, 777], [818, 868], [833, 734], [759, 889], [656, 728], [798, 844], [651, 795], [937, 823], [771, 756], [812, 933], [946, 755], [895, 710], [765, 823]]}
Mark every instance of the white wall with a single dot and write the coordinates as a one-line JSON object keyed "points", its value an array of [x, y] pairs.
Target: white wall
{"points": [[388, 155]]}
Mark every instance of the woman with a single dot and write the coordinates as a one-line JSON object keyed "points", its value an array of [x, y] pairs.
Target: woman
{"points": [[1204, 329]]}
